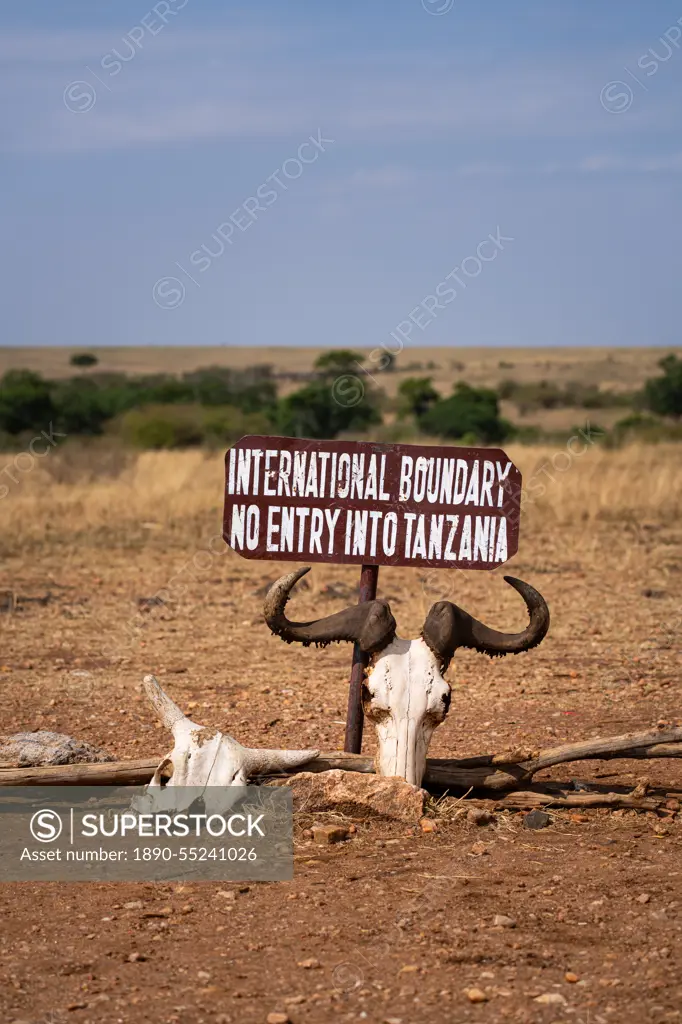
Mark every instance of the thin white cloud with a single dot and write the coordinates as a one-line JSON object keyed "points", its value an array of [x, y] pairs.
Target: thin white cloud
{"points": [[183, 86], [602, 162]]}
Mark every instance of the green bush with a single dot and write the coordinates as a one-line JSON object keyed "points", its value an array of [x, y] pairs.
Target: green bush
{"points": [[339, 360], [663, 395], [252, 389], [326, 408], [386, 362], [162, 426], [84, 405], [25, 402], [81, 406], [647, 429], [469, 414], [416, 395], [185, 426], [83, 359], [544, 394], [223, 425]]}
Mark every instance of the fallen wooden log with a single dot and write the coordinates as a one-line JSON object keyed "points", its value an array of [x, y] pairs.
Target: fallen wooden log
{"points": [[504, 771], [140, 772], [523, 801]]}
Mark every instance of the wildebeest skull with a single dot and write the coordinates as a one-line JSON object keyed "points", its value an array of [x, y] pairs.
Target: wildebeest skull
{"points": [[405, 694], [204, 760]]}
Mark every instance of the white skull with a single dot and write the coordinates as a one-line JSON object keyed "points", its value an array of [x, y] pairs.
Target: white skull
{"points": [[204, 761], [406, 697], [405, 694]]}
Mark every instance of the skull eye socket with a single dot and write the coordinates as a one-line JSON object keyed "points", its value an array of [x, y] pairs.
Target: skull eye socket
{"points": [[446, 698], [372, 707]]}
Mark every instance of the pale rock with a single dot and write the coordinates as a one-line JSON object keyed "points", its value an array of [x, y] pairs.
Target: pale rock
{"points": [[327, 835], [479, 849], [502, 921], [357, 795], [475, 995], [29, 749], [550, 999]]}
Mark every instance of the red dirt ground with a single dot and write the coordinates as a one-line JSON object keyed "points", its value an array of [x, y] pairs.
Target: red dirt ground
{"points": [[397, 923]]}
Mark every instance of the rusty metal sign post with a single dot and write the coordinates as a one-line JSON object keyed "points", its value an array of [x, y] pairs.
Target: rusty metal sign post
{"points": [[361, 503]]}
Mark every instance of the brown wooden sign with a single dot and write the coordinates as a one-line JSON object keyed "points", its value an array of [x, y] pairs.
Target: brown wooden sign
{"points": [[357, 502]]}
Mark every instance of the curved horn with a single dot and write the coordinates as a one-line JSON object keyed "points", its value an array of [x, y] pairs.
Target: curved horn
{"points": [[371, 625], [448, 627], [166, 709]]}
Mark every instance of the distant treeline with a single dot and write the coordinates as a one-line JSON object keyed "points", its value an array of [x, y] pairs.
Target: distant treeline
{"points": [[216, 405]]}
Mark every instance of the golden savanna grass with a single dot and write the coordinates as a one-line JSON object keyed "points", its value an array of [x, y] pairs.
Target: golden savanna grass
{"points": [[80, 495]]}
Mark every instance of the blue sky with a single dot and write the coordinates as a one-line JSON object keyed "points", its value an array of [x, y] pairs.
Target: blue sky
{"points": [[131, 132]]}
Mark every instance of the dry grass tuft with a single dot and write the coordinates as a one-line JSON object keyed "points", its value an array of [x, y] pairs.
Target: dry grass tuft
{"points": [[72, 498]]}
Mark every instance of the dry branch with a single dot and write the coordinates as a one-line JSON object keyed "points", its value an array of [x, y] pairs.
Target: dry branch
{"points": [[509, 770], [512, 769], [524, 801]]}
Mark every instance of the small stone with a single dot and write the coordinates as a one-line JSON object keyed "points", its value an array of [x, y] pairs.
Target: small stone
{"points": [[227, 894], [536, 819], [571, 977], [133, 905], [392, 1020], [643, 898], [294, 1000], [550, 999], [428, 825], [502, 921], [479, 849], [76, 1006], [328, 835], [408, 969], [479, 816], [136, 958], [163, 912], [578, 819], [309, 965], [278, 1018], [475, 995]]}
